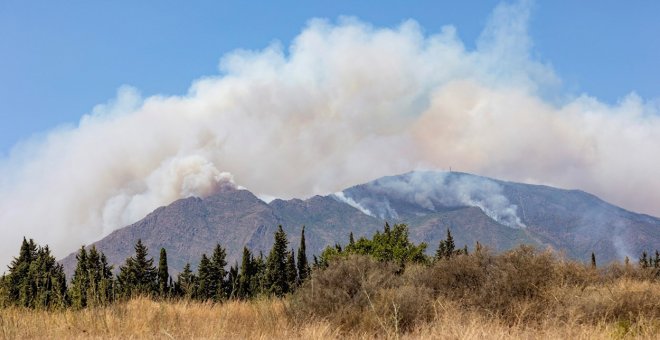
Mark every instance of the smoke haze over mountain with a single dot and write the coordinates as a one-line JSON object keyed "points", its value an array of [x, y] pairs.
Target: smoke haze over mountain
{"points": [[345, 103]]}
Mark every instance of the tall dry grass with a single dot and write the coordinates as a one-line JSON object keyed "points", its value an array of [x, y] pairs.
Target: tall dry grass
{"points": [[146, 318], [521, 294], [267, 319]]}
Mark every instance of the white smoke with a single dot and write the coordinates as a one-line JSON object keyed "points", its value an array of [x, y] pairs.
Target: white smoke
{"points": [[433, 191], [346, 103], [343, 198]]}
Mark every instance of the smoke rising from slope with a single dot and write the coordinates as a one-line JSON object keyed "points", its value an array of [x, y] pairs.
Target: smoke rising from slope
{"points": [[344, 104], [433, 191]]}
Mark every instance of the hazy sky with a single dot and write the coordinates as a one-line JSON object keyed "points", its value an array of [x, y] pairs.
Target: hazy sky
{"points": [[110, 110], [58, 59]]}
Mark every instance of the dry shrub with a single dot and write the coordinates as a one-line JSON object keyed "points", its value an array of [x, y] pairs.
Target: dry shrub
{"points": [[403, 308], [624, 300], [344, 293]]}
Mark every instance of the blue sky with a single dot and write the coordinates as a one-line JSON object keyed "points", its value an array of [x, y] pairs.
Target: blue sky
{"points": [[335, 103], [58, 59]]}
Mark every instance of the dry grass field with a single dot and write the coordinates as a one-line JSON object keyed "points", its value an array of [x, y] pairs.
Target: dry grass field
{"points": [[520, 294], [271, 319]]}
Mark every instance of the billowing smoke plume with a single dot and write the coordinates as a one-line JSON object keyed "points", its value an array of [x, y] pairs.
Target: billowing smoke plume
{"points": [[432, 191], [344, 104]]}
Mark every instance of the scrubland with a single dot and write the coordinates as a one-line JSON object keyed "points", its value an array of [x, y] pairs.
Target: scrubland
{"points": [[522, 293]]}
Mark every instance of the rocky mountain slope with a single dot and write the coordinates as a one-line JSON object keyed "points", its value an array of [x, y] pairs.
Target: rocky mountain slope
{"points": [[498, 214]]}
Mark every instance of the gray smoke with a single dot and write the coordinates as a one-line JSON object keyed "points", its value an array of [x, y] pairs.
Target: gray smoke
{"points": [[345, 103]]}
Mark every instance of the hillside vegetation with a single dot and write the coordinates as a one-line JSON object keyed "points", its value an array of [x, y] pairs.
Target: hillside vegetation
{"points": [[383, 286]]}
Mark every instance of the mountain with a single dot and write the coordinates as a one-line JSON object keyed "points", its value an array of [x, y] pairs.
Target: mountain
{"points": [[496, 213]]}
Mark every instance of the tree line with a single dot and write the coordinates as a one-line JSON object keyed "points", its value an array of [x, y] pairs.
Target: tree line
{"points": [[35, 280]]}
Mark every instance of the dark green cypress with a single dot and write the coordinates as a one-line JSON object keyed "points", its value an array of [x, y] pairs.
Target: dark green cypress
{"points": [[107, 283], [163, 273], [80, 282], [232, 281], [291, 273], [204, 277], [276, 278], [246, 275], [450, 244], [218, 273], [303, 265], [593, 260], [258, 282]]}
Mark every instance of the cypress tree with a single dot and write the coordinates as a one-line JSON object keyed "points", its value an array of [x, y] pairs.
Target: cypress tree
{"points": [[138, 275], [450, 246], [232, 281], [276, 277], [258, 281], [303, 266], [656, 262], [163, 273], [107, 283], [246, 275], [80, 281], [593, 260], [204, 277], [291, 272], [94, 273], [217, 278]]}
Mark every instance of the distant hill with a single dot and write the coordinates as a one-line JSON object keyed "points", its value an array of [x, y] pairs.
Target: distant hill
{"points": [[496, 213]]}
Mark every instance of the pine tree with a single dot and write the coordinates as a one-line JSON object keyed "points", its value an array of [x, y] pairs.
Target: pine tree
{"points": [[80, 281], [218, 273], [303, 266], [204, 277], [17, 280], [232, 281], [186, 283], [446, 247], [276, 278], [246, 275], [107, 283], [48, 280], [163, 273], [291, 272], [34, 279], [450, 246], [138, 276], [656, 262]]}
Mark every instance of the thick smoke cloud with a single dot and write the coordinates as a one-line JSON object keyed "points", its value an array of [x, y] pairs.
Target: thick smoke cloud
{"points": [[344, 104]]}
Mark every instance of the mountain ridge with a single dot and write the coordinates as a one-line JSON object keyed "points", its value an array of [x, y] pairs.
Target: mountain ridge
{"points": [[498, 214]]}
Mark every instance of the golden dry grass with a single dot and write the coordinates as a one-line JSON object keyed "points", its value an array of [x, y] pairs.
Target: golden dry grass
{"points": [[268, 319]]}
